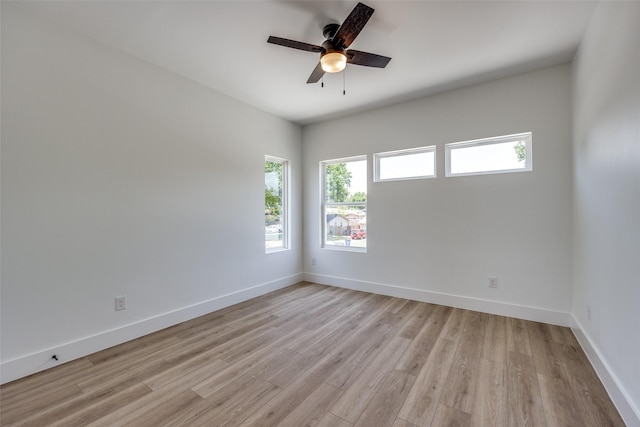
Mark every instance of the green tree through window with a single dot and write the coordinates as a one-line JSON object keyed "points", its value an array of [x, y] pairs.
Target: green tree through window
{"points": [[272, 191], [521, 151], [338, 181], [344, 206], [275, 203]]}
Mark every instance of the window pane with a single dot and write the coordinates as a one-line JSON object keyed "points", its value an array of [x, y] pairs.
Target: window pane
{"points": [[346, 225], [345, 180], [406, 164], [344, 184], [274, 204], [503, 154]]}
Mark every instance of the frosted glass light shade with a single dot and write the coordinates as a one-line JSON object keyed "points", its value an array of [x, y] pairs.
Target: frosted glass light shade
{"points": [[333, 62]]}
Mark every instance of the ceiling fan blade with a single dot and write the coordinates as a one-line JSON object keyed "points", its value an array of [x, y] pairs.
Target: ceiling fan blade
{"points": [[352, 26], [367, 59], [317, 74], [294, 44]]}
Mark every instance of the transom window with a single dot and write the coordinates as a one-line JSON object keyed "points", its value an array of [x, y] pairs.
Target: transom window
{"points": [[510, 153], [413, 163]]}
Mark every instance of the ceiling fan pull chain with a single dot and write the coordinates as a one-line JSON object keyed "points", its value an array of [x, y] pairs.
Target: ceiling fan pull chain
{"points": [[322, 83], [344, 84]]}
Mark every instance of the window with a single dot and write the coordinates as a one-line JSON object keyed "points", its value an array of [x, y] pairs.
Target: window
{"points": [[344, 203], [511, 153], [414, 163], [276, 234]]}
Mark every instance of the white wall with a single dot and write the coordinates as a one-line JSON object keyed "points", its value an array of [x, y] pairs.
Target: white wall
{"points": [[120, 178], [440, 239], [607, 199]]}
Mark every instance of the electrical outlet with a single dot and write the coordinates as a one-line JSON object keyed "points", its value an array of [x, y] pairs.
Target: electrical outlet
{"points": [[493, 282], [313, 261], [121, 303], [589, 311]]}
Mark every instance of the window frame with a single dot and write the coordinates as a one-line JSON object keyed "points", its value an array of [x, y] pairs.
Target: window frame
{"points": [[527, 137], [324, 204], [400, 153], [284, 217]]}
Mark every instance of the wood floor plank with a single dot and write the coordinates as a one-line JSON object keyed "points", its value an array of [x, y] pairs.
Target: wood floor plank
{"points": [[220, 324], [360, 360], [313, 408], [361, 345], [188, 374], [306, 316], [459, 389], [157, 415], [562, 335], [450, 417], [560, 407], [83, 403], [422, 401], [332, 311], [386, 403], [490, 399], [23, 389], [525, 407], [219, 336], [422, 311], [134, 373], [297, 365], [330, 420], [334, 350], [356, 398], [253, 308], [539, 332], [352, 317], [38, 403], [296, 355], [452, 330], [587, 390], [145, 406], [494, 346], [285, 402], [261, 364], [397, 304], [414, 358], [233, 404], [517, 336], [546, 360], [249, 344], [104, 405]]}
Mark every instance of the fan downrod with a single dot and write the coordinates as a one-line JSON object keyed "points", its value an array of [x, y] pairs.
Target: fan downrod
{"points": [[330, 30]]}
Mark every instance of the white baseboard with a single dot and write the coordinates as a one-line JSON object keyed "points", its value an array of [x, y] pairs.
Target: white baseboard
{"points": [[29, 364], [629, 412], [500, 308]]}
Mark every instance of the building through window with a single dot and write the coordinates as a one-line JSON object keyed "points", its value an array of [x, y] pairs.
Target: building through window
{"points": [[344, 203]]}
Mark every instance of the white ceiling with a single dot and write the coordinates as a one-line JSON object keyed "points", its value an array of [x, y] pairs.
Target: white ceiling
{"points": [[435, 45]]}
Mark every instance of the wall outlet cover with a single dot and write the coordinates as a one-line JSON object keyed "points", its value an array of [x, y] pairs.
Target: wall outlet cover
{"points": [[121, 303], [493, 282]]}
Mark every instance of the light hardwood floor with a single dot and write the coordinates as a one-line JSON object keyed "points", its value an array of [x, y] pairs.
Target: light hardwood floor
{"points": [[311, 355]]}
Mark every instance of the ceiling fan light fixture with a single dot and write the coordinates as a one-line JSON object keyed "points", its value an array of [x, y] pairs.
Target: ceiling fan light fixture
{"points": [[333, 62]]}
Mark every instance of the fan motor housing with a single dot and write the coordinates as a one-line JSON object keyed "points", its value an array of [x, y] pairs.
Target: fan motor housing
{"points": [[329, 48], [330, 30]]}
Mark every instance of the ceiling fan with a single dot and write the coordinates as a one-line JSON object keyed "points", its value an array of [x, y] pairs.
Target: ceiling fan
{"points": [[334, 54]]}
